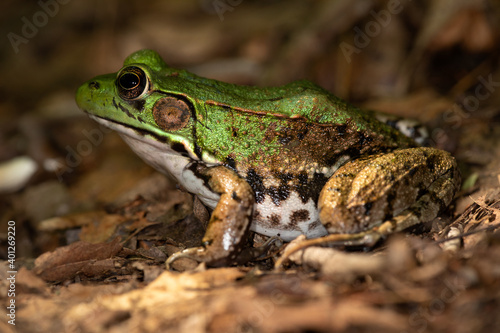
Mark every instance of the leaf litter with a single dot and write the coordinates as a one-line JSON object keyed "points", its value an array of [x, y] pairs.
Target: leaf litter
{"points": [[102, 236]]}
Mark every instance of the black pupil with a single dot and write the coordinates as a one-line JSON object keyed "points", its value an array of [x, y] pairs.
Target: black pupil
{"points": [[129, 80]]}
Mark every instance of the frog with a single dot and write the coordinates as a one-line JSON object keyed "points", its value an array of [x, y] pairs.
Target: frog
{"points": [[279, 161]]}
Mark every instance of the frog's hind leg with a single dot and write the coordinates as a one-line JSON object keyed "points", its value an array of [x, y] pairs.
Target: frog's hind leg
{"points": [[370, 198]]}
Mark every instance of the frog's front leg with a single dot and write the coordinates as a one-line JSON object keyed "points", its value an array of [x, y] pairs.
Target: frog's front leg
{"points": [[230, 220], [369, 198]]}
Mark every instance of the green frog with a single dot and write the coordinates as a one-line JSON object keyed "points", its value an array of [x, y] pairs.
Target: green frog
{"points": [[280, 161]]}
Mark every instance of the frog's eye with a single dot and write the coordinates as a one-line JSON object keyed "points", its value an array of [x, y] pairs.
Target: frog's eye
{"points": [[132, 83], [171, 114]]}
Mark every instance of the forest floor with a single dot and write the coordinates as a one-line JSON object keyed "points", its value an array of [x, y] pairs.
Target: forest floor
{"points": [[94, 224]]}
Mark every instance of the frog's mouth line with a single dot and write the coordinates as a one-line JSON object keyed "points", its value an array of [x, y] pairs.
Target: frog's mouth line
{"points": [[152, 139]]}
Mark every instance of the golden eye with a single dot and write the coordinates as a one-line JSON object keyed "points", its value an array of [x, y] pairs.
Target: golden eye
{"points": [[132, 83], [171, 114]]}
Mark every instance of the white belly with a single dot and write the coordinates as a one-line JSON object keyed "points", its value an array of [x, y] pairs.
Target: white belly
{"points": [[287, 220]]}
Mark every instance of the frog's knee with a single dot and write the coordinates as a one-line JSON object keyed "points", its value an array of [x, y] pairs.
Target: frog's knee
{"points": [[333, 210]]}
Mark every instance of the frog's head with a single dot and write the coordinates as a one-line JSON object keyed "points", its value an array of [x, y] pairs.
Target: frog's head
{"points": [[145, 100]]}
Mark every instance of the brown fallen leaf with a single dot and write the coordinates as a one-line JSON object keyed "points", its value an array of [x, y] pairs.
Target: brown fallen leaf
{"points": [[81, 257]]}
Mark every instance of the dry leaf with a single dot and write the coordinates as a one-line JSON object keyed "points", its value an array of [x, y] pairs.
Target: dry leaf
{"points": [[66, 262]]}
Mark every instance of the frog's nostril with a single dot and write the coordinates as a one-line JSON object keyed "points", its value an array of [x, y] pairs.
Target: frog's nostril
{"points": [[94, 85]]}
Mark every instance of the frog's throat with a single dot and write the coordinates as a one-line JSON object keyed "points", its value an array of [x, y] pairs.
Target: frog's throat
{"points": [[164, 159]]}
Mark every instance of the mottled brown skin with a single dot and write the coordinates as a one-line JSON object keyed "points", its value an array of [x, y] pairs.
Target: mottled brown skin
{"points": [[291, 145], [357, 198], [305, 153]]}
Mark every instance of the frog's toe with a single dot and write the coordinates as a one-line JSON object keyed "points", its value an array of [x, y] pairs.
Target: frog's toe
{"points": [[180, 255], [210, 256], [198, 254]]}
